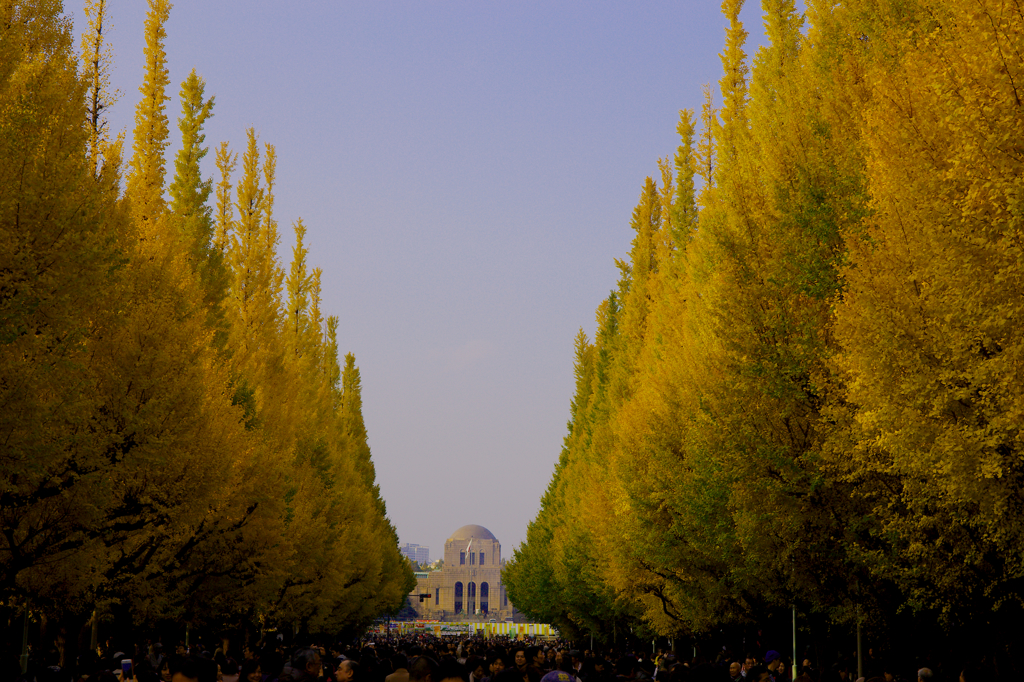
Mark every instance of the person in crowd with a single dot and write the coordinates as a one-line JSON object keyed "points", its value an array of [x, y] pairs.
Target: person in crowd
{"points": [[423, 669], [522, 664], [537, 663], [807, 667], [586, 671], [495, 664], [577, 660], [476, 667], [759, 673], [602, 671], [773, 660], [450, 670], [625, 668], [734, 671], [400, 665], [666, 663], [305, 666], [272, 663], [348, 671], [368, 665], [565, 664], [164, 672], [513, 674], [192, 668], [924, 675], [155, 657], [230, 668], [250, 671]]}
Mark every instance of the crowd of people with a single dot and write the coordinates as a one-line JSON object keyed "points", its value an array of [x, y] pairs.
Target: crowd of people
{"points": [[426, 658]]}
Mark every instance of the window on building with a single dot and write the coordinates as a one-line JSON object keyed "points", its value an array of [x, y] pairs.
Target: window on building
{"points": [[462, 558], [472, 558], [471, 598], [437, 597], [458, 597], [481, 558], [484, 594]]}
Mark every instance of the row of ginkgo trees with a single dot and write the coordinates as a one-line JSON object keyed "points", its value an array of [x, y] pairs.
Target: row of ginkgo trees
{"points": [[178, 437], [808, 385]]}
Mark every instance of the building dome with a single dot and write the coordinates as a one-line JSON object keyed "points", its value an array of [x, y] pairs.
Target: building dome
{"points": [[472, 532]]}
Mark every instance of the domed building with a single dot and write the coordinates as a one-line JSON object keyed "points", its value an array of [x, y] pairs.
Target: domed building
{"points": [[468, 586]]}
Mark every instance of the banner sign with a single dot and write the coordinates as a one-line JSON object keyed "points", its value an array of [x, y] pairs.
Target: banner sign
{"points": [[440, 629]]}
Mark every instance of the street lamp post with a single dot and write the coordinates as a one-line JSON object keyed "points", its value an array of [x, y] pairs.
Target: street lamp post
{"points": [[794, 643]]}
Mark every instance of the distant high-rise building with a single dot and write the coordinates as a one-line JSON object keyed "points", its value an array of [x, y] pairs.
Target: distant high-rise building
{"points": [[420, 555]]}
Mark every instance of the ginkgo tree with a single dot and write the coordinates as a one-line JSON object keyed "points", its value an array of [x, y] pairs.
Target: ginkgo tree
{"points": [[179, 442], [805, 389]]}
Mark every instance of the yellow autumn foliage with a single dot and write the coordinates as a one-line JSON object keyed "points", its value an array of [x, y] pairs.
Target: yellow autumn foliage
{"points": [[177, 440], [810, 392]]}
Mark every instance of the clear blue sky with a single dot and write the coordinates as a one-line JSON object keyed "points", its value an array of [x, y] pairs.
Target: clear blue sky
{"points": [[466, 171]]}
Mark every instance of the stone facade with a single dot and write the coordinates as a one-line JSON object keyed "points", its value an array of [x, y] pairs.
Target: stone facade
{"points": [[468, 587]]}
